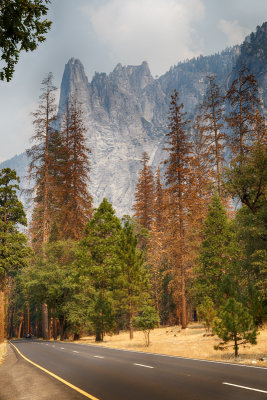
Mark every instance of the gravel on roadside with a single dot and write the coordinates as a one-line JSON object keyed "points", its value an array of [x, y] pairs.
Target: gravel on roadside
{"points": [[20, 380]]}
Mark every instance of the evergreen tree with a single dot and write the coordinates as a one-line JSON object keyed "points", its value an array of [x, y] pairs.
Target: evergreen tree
{"points": [[134, 279], [218, 254], [251, 235], [244, 102], [13, 243], [234, 323], [178, 176], [40, 168], [14, 250], [99, 258], [211, 122], [74, 198], [247, 182], [260, 129], [54, 280], [206, 312], [40, 171], [144, 195], [146, 321], [156, 257], [159, 201]]}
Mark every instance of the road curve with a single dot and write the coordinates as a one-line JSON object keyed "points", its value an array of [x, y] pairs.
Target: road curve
{"points": [[111, 374]]}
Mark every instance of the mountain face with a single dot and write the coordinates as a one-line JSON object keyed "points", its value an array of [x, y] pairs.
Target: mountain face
{"points": [[126, 111], [124, 114], [253, 53]]}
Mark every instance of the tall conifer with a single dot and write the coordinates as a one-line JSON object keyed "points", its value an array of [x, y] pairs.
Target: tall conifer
{"points": [[99, 257], [246, 176], [74, 198], [178, 176], [40, 162], [144, 195], [244, 102], [134, 280], [40, 171], [219, 253], [211, 121], [156, 243], [13, 244]]}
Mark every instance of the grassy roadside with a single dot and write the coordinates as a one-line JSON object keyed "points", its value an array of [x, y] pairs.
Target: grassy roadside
{"points": [[2, 351], [191, 342]]}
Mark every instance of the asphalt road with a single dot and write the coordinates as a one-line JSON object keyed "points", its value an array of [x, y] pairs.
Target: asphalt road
{"points": [[110, 374]]}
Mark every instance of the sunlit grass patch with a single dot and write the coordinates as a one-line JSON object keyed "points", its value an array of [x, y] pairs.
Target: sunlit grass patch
{"points": [[2, 351]]}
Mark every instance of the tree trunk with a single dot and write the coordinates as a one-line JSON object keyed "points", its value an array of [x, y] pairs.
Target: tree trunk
{"points": [[28, 319], [10, 323], [36, 329], [54, 328], [236, 346], [45, 327], [98, 336], [131, 326], [20, 327], [2, 315], [131, 320], [62, 328], [183, 298], [156, 295]]}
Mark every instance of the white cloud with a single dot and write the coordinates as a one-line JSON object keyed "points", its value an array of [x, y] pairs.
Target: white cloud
{"points": [[234, 32], [158, 31]]}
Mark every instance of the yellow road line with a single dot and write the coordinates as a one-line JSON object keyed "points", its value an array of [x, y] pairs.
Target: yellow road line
{"points": [[89, 396]]}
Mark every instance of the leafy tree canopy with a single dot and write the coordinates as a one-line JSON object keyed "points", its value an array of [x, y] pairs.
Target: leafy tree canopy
{"points": [[146, 321], [21, 28], [13, 244], [219, 253]]}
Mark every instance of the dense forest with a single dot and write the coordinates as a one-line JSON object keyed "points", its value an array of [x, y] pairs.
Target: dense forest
{"points": [[194, 248]]}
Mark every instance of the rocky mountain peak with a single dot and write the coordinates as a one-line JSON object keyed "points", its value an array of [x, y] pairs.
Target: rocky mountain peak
{"points": [[136, 77], [74, 79], [126, 111]]}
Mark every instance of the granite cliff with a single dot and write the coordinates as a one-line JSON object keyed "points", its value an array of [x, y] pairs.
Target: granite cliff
{"points": [[126, 111]]}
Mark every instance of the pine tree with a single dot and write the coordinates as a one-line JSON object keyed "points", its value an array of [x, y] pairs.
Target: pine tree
{"points": [[14, 250], [206, 313], [219, 254], [159, 201], [134, 279], [155, 248], [260, 129], [40, 171], [211, 122], [234, 324], [246, 182], [251, 235], [144, 195], [178, 175], [74, 198], [244, 101], [54, 280], [99, 254], [40, 162], [202, 174]]}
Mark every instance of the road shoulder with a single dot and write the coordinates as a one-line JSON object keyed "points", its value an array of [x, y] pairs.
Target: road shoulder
{"points": [[22, 381]]}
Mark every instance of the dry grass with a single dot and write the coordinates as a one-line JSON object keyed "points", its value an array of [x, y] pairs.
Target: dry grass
{"points": [[191, 342], [2, 351]]}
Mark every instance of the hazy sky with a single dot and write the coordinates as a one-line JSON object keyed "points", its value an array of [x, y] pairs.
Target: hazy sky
{"points": [[102, 33]]}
